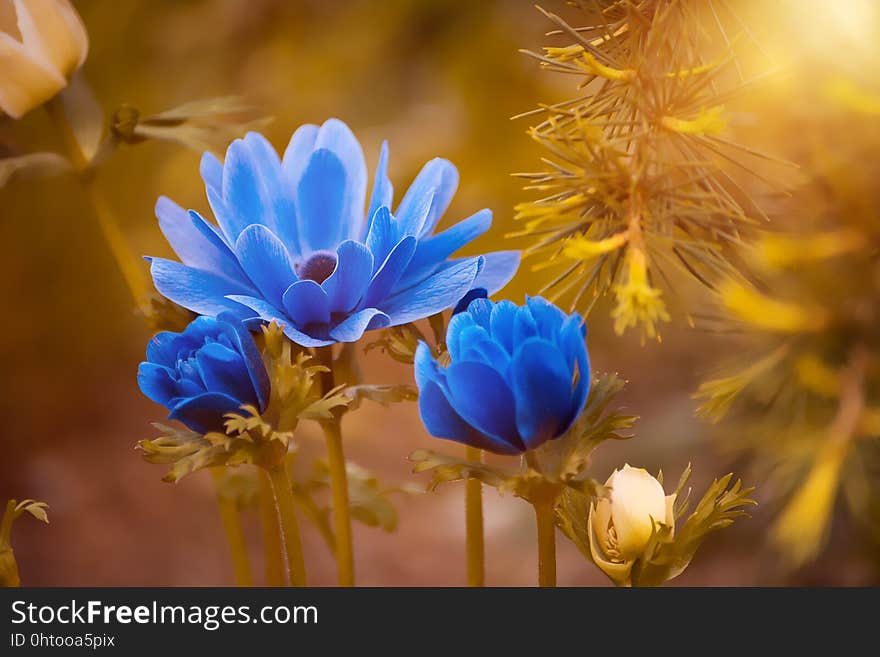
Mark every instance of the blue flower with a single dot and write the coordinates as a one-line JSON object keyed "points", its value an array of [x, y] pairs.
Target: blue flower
{"points": [[293, 243], [517, 377], [210, 369]]}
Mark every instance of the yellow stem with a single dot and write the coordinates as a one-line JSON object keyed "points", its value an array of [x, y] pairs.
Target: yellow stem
{"points": [[338, 481], [128, 264], [234, 534], [473, 502], [341, 511], [281, 487], [544, 515], [272, 545]]}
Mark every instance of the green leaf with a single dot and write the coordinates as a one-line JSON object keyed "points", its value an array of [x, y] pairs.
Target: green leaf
{"points": [[32, 164]]}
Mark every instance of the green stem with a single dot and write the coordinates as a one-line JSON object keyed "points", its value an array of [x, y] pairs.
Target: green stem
{"points": [[234, 533], [283, 491], [544, 514], [473, 502], [338, 482], [272, 545], [128, 264]]}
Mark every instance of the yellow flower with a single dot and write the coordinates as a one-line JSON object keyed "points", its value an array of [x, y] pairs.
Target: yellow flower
{"points": [[42, 43], [637, 301], [620, 526]]}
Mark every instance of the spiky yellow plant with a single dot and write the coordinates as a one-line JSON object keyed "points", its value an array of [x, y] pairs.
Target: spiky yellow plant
{"points": [[641, 172], [804, 393]]}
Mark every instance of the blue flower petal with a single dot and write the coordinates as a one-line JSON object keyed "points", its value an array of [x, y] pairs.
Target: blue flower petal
{"points": [[349, 280], [482, 348], [267, 312], [306, 303], [541, 384], [434, 250], [465, 301], [156, 383], [442, 421], [352, 328], [424, 366], [499, 268], [383, 190], [246, 196], [484, 400], [381, 237], [321, 197], [454, 330], [266, 261], [224, 370], [298, 151], [434, 294], [390, 272], [501, 323], [199, 291], [524, 325], [547, 317], [438, 177], [337, 138], [276, 191], [211, 170], [571, 339], [243, 341], [481, 310], [205, 412]]}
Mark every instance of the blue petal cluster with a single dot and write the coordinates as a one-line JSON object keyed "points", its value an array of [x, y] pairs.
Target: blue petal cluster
{"points": [[210, 369], [518, 376], [294, 245]]}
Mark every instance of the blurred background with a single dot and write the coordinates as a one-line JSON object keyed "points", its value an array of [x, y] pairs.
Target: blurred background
{"points": [[434, 78]]}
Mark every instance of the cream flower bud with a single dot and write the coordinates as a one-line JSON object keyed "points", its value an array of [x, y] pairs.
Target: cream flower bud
{"points": [[42, 43], [620, 526]]}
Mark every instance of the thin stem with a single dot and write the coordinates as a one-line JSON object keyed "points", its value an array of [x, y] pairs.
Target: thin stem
{"points": [[283, 491], [273, 548], [544, 515], [6, 523], [473, 502], [234, 534], [341, 511], [338, 482], [128, 264]]}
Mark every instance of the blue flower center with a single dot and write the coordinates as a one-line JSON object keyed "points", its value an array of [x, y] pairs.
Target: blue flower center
{"points": [[317, 267]]}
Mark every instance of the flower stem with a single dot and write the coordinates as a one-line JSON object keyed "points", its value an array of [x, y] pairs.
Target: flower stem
{"points": [[234, 533], [338, 481], [6, 523], [544, 514], [473, 502], [128, 264], [272, 544], [341, 512], [283, 491]]}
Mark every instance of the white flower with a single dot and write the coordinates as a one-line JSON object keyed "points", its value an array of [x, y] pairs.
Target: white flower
{"points": [[42, 43], [620, 526]]}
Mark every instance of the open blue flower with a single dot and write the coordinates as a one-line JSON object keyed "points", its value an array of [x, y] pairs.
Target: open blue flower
{"points": [[210, 369], [294, 245], [517, 377]]}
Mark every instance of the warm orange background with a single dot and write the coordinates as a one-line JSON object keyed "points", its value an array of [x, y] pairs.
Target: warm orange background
{"points": [[439, 77]]}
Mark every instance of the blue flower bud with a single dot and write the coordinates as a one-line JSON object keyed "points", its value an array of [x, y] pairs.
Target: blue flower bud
{"points": [[518, 376], [212, 368]]}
